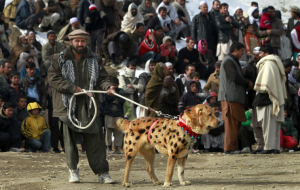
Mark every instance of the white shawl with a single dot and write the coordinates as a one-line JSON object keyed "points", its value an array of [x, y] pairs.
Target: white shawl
{"points": [[177, 7], [251, 18], [170, 10], [129, 21]]}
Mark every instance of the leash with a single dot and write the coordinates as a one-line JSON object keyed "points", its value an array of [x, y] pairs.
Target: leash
{"points": [[159, 113]]}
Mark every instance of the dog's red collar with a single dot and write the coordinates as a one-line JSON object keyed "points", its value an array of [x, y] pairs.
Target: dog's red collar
{"points": [[150, 129], [187, 129]]}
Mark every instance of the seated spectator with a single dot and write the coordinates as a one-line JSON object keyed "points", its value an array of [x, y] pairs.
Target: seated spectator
{"points": [[50, 48], [5, 31], [127, 3], [295, 36], [51, 16], [251, 41], [195, 76], [285, 50], [149, 48], [207, 59], [14, 90], [32, 40], [137, 34], [187, 55], [34, 87], [64, 9], [212, 98], [189, 99], [214, 140], [20, 51], [113, 111], [166, 51], [212, 83], [26, 17], [11, 8], [184, 17], [10, 134], [131, 18], [119, 46], [36, 130], [170, 67], [5, 76], [168, 97], [159, 35], [183, 78], [23, 71], [62, 36], [246, 135], [20, 112], [94, 25], [288, 133], [146, 10]]}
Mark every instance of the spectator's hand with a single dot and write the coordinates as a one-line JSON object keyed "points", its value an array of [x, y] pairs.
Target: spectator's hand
{"points": [[130, 86], [248, 53], [267, 39], [43, 112], [284, 130], [77, 89], [295, 138], [152, 38], [251, 125], [120, 57], [45, 9], [39, 20], [185, 20], [150, 14], [228, 19], [166, 29], [111, 91], [250, 85], [177, 22], [186, 61]]}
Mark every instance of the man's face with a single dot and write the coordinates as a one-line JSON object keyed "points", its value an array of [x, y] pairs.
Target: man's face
{"points": [[75, 25], [181, 2], [239, 12], [171, 70], [132, 67], [217, 69], [31, 37], [240, 53], [204, 8], [190, 45], [7, 68], [216, 5], [255, 14], [272, 13], [15, 80], [189, 71], [133, 12], [78, 45], [52, 38], [148, 4], [196, 79], [141, 30], [158, 33], [8, 112], [285, 113], [217, 111], [293, 14], [151, 67], [213, 99], [163, 14], [262, 54], [224, 9], [22, 103], [24, 40], [30, 71], [250, 29], [256, 57], [193, 87], [166, 2]]}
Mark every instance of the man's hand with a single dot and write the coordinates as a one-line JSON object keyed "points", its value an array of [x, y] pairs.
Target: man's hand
{"points": [[295, 138], [284, 130], [185, 20], [269, 32], [250, 85], [228, 19], [166, 29], [77, 89], [45, 9], [186, 61], [130, 86], [248, 53], [39, 20], [150, 14], [177, 22], [111, 91], [120, 58]]}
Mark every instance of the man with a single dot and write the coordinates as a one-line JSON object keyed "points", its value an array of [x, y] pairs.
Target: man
{"points": [[128, 2], [130, 84], [62, 36], [34, 87], [254, 19], [147, 11], [50, 48], [131, 18], [21, 50], [274, 33], [155, 23], [26, 17], [183, 15], [226, 36], [51, 16], [83, 10], [34, 42], [183, 78], [144, 78], [270, 98], [232, 94], [170, 67], [239, 18], [11, 92], [137, 34], [212, 83], [119, 46], [294, 21], [159, 35], [20, 112], [7, 69], [215, 10], [203, 27], [66, 82], [253, 4]]}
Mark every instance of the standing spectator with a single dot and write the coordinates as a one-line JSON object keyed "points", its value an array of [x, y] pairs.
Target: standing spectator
{"points": [[183, 78], [130, 84], [113, 111], [207, 58], [251, 41], [247, 13], [160, 21], [5, 31], [11, 9], [225, 25], [188, 99], [274, 33], [11, 93], [50, 48], [149, 48], [20, 112], [64, 32], [36, 130], [82, 11], [51, 16], [232, 94], [144, 78], [34, 87], [137, 34], [295, 36], [285, 50], [146, 9], [7, 69], [203, 27], [167, 52], [294, 21], [65, 10], [270, 98], [183, 15], [215, 10], [212, 83], [288, 133], [131, 18], [240, 19], [254, 19]]}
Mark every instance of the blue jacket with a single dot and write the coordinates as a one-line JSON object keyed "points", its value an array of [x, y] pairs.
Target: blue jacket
{"points": [[23, 12]]}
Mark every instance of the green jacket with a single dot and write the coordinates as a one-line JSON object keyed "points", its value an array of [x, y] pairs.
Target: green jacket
{"points": [[48, 50], [3, 83], [248, 121], [290, 129]]}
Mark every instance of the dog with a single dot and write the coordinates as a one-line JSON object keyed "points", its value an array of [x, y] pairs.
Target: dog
{"points": [[174, 138]]}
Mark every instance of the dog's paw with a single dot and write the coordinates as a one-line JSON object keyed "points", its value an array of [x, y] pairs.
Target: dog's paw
{"points": [[185, 183], [158, 183], [167, 184], [126, 184]]}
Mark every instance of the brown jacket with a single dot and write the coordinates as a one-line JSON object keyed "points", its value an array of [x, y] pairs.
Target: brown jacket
{"points": [[212, 83], [276, 32], [61, 85], [52, 7]]}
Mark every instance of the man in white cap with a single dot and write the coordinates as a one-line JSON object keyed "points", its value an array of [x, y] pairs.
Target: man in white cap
{"points": [[72, 70], [63, 34], [51, 16], [170, 67]]}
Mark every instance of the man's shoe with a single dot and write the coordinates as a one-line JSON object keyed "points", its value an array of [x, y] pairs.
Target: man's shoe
{"points": [[74, 176], [56, 150], [232, 152], [245, 150], [105, 178], [256, 152], [273, 151]]}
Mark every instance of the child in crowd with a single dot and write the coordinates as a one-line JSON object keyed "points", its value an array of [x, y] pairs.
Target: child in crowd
{"points": [[36, 129], [212, 98], [285, 50], [251, 41], [288, 133], [189, 99], [167, 52], [265, 23], [195, 76]]}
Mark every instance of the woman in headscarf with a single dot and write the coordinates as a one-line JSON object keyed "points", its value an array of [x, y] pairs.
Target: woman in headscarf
{"points": [[131, 18], [147, 10], [206, 57]]}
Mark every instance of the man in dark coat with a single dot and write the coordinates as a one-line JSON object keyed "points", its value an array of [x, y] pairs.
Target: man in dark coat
{"points": [[294, 21], [82, 11], [215, 10]]}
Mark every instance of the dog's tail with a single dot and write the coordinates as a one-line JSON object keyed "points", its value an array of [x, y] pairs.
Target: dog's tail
{"points": [[123, 124]]}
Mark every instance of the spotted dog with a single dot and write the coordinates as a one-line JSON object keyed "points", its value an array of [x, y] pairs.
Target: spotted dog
{"points": [[174, 138]]}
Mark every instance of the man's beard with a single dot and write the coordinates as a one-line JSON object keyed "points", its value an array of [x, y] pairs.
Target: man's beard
{"points": [[73, 28], [24, 45], [79, 51]]}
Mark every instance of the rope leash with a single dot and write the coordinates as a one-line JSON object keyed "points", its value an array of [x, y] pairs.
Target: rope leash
{"points": [[159, 113]]}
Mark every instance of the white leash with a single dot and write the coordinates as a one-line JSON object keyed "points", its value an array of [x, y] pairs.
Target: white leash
{"points": [[95, 106]]}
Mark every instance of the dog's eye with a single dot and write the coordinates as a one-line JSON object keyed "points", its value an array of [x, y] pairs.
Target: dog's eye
{"points": [[209, 114]]}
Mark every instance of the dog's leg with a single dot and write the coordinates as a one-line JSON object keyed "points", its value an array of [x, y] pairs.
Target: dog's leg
{"points": [[181, 164], [170, 170], [149, 155], [129, 159]]}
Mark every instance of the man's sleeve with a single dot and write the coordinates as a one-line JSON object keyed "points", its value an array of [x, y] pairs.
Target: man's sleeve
{"points": [[103, 81], [233, 75]]}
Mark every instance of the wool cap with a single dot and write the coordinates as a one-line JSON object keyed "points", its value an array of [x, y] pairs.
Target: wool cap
{"points": [[167, 38], [78, 34], [92, 7], [202, 2], [72, 20], [50, 32]]}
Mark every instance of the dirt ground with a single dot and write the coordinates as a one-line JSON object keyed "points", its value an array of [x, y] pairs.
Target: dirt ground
{"points": [[205, 171]]}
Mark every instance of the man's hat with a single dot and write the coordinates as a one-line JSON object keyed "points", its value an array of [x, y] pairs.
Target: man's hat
{"points": [[295, 9], [78, 34]]}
